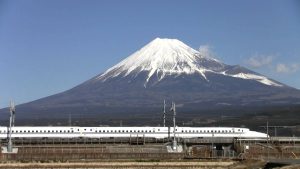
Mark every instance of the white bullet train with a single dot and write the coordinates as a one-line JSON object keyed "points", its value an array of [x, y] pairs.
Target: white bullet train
{"points": [[126, 132]]}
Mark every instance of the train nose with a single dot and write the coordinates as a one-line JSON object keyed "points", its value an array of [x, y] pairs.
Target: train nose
{"points": [[265, 135]]}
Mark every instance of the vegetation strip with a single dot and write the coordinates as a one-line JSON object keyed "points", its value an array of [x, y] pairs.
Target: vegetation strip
{"points": [[116, 164]]}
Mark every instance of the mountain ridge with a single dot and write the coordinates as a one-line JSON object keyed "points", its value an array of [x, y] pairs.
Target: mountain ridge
{"points": [[165, 69]]}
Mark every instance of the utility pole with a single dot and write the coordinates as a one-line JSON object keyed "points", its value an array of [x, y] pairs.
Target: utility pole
{"points": [[12, 111], [268, 138], [174, 127], [70, 120], [164, 114]]}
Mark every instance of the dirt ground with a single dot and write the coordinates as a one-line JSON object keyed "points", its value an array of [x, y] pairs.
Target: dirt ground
{"points": [[120, 165]]}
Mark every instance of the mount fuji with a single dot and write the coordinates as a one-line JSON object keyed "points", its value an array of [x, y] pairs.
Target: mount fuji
{"points": [[167, 69]]}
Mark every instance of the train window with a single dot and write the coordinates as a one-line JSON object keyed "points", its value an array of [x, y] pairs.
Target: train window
{"points": [[90, 129], [103, 131], [242, 130], [77, 129], [24, 131]]}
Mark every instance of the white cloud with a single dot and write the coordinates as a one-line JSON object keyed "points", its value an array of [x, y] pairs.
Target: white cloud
{"points": [[258, 61], [284, 68], [206, 51]]}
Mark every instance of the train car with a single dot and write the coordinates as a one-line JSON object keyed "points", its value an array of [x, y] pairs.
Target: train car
{"points": [[126, 132]]}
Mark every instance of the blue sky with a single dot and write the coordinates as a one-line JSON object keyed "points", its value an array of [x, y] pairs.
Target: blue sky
{"points": [[50, 46]]}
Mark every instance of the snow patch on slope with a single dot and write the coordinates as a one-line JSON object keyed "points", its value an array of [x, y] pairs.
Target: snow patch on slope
{"points": [[258, 78]]}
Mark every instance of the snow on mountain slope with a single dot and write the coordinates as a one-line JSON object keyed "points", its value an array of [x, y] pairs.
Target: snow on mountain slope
{"points": [[162, 57], [258, 78]]}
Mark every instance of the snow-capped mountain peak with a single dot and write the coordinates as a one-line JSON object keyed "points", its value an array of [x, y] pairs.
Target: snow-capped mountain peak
{"points": [[162, 57], [165, 56]]}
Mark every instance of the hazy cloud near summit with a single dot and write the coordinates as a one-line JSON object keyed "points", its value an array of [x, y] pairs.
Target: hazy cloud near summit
{"points": [[206, 50], [258, 61], [285, 68], [267, 61]]}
